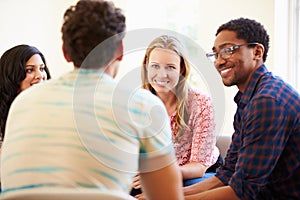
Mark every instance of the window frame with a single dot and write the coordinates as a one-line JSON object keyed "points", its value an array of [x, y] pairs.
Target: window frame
{"points": [[287, 41]]}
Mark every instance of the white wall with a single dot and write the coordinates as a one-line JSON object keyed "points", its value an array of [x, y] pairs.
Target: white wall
{"points": [[203, 17], [38, 23]]}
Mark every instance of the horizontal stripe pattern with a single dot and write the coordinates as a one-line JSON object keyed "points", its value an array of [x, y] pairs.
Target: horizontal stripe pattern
{"points": [[71, 133]]}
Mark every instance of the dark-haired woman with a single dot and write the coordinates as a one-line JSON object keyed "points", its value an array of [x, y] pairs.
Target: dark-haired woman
{"points": [[20, 67]]}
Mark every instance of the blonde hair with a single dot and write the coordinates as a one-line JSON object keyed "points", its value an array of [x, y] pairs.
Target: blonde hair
{"points": [[171, 43]]}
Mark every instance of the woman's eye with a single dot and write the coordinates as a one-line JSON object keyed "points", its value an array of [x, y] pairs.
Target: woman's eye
{"points": [[42, 69], [170, 67], [29, 70], [156, 66]]}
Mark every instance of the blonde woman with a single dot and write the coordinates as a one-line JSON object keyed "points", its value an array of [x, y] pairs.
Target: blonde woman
{"points": [[165, 71]]}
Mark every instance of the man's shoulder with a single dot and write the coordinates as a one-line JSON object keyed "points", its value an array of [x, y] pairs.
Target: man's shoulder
{"points": [[146, 97], [274, 84], [38, 88], [274, 87]]}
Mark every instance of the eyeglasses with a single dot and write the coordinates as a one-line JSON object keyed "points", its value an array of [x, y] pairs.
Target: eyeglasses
{"points": [[227, 52]]}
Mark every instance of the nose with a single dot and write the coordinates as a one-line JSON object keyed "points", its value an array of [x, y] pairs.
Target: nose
{"points": [[163, 73], [40, 75]]}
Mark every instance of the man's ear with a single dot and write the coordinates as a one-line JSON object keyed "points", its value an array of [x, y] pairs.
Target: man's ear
{"points": [[119, 52], [258, 51], [65, 54]]}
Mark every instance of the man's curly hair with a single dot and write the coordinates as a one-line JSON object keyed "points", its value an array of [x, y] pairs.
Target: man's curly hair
{"points": [[248, 30], [88, 24]]}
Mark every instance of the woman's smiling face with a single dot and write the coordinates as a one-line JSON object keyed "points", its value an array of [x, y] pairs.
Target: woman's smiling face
{"points": [[163, 70], [35, 72]]}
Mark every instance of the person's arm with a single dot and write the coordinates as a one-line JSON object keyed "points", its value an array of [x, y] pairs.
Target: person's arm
{"points": [[202, 125], [192, 170], [220, 193], [262, 131], [207, 184], [165, 183], [158, 168]]}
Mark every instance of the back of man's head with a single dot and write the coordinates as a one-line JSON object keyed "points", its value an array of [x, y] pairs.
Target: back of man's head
{"points": [[88, 24]]}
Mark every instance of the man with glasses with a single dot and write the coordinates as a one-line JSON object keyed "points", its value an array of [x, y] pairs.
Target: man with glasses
{"points": [[263, 159]]}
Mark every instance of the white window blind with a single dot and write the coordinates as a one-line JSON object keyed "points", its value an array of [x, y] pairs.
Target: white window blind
{"points": [[287, 41]]}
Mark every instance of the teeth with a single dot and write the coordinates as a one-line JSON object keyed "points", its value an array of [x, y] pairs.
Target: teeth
{"points": [[161, 82], [225, 70]]}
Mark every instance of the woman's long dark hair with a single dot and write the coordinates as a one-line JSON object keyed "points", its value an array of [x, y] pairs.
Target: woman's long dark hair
{"points": [[12, 73]]}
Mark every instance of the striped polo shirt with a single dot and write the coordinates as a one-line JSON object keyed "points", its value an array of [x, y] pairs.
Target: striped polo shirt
{"points": [[83, 130]]}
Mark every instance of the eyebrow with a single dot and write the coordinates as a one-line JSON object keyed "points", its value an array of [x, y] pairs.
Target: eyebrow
{"points": [[167, 64], [222, 46], [34, 65]]}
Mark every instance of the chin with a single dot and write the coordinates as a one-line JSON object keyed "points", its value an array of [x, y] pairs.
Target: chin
{"points": [[227, 83], [163, 91]]}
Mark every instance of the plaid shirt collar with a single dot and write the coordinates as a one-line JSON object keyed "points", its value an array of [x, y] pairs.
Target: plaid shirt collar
{"points": [[241, 99]]}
